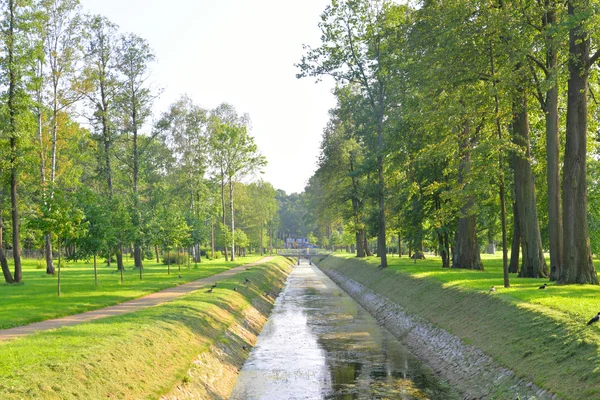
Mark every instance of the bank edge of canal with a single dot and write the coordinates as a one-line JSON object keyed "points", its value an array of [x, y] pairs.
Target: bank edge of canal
{"points": [[406, 306], [213, 373]]}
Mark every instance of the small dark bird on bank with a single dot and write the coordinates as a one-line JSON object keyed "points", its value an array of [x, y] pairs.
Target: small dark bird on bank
{"points": [[492, 289], [543, 286], [594, 320], [209, 290], [244, 347], [246, 280], [214, 286], [179, 276], [235, 289]]}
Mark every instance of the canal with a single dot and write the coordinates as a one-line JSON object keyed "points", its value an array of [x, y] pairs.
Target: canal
{"points": [[320, 344]]}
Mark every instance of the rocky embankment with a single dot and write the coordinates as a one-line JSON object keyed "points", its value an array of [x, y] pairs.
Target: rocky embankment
{"points": [[467, 368]]}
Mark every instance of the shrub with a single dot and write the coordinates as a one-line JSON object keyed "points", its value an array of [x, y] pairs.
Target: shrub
{"points": [[174, 258], [148, 255], [218, 254]]}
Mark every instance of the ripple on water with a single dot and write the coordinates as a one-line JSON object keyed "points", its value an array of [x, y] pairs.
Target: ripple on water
{"points": [[320, 344]]}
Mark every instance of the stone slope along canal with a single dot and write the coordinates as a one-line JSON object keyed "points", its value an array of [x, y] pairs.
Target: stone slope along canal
{"points": [[320, 344]]}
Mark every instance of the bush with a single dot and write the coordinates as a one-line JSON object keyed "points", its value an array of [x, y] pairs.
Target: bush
{"points": [[148, 254], [218, 254], [174, 258]]}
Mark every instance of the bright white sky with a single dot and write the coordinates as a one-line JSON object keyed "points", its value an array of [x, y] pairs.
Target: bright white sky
{"points": [[240, 52]]}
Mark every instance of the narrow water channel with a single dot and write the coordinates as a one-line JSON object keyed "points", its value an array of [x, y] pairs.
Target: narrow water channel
{"points": [[320, 344]]}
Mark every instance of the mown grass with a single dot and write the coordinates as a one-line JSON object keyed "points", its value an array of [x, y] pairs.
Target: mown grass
{"points": [[36, 298], [139, 355], [578, 302], [539, 334]]}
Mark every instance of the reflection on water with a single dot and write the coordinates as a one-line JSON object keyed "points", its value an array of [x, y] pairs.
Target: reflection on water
{"points": [[320, 344]]}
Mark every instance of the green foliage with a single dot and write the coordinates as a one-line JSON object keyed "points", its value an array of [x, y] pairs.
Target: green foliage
{"points": [[175, 258]]}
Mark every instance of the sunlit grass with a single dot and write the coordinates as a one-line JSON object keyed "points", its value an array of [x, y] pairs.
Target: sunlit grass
{"points": [[36, 298], [577, 301], [146, 353]]}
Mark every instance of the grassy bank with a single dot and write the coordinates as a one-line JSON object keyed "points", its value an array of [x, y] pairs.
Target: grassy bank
{"points": [[36, 299], [192, 344], [539, 334]]}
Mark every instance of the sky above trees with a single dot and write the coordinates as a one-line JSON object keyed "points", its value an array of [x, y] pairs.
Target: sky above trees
{"points": [[244, 53]]}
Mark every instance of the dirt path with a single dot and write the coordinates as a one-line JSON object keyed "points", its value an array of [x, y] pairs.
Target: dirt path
{"points": [[150, 300]]}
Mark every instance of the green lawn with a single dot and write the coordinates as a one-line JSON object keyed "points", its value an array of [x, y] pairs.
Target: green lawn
{"points": [[578, 302], [36, 298], [147, 353]]}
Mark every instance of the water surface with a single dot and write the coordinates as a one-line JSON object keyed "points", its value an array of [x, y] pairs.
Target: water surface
{"points": [[320, 344]]}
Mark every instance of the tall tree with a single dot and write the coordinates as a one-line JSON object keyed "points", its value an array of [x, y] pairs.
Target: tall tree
{"points": [[58, 86], [357, 38], [135, 102], [577, 264], [235, 155], [15, 65]]}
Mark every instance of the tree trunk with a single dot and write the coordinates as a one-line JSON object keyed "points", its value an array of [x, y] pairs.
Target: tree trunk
{"points": [[577, 266], [555, 227], [48, 254], [466, 249], [513, 267], [119, 257], [156, 252], [58, 281], [3, 261], [12, 110], [399, 246], [381, 242], [533, 262], [501, 186], [271, 239], [137, 257], [443, 251], [212, 239], [233, 220], [95, 270], [360, 243], [368, 251], [223, 206]]}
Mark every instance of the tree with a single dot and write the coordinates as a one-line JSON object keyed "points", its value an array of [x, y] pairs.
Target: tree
{"points": [[58, 85], [15, 65], [577, 264], [358, 40], [235, 155], [135, 102]]}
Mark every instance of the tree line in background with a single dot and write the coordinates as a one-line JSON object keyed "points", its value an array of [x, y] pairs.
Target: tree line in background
{"points": [[86, 170], [460, 123]]}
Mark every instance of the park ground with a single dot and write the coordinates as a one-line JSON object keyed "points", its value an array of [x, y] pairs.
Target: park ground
{"points": [[36, 299], [164, 350]]}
